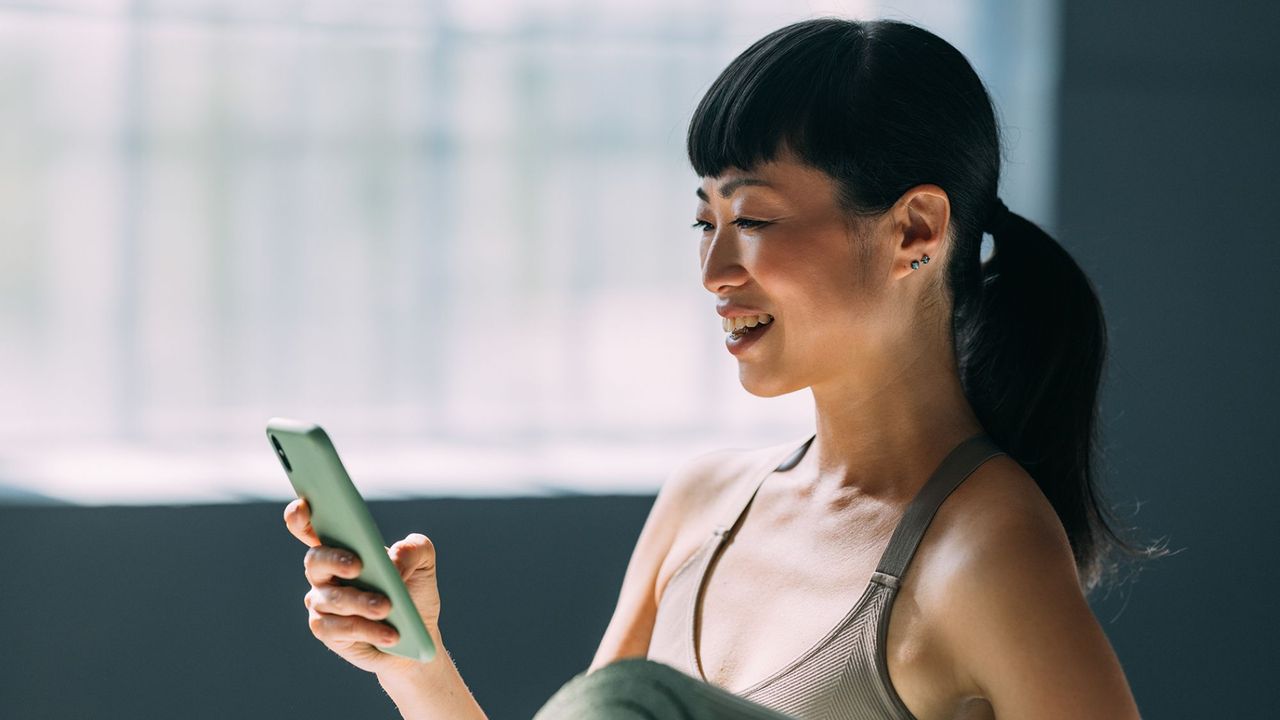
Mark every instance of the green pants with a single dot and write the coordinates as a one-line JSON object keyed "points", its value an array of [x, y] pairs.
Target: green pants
{"points": [[641, 689]]}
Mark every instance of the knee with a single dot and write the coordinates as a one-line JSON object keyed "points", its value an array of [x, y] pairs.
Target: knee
{"points": [[627, 689]]}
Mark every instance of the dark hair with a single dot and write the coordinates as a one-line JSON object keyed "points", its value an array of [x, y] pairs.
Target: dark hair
{"points": [[882, 106]]}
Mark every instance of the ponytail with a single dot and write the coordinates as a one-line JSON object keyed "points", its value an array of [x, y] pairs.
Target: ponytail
{"points": [[1031, 345]]}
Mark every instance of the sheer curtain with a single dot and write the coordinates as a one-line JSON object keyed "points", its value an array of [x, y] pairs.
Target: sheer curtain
{"points": [[454, 234]]}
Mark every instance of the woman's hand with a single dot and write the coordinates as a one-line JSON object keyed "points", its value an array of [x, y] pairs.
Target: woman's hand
{"points": [[349, 620]]}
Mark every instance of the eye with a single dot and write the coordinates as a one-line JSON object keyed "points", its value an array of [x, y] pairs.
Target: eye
{"points": [[744, 223]]}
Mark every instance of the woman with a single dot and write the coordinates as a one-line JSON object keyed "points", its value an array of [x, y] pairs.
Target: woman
{"points": [[927, 553]]}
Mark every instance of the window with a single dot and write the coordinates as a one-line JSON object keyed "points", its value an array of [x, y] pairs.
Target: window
{"points": [[454, 234]]}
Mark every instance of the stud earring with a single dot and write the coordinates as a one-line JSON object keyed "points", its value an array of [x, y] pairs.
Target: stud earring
{"points": [[915, 264]]}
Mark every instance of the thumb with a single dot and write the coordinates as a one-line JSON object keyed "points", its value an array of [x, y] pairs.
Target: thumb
{"points": [[414, 554]]}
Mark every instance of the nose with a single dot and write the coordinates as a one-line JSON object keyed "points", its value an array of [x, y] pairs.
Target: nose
{"points": [[721, 261]]}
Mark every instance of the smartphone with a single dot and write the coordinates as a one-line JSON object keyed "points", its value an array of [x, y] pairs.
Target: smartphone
{"points": [[341, 519]]}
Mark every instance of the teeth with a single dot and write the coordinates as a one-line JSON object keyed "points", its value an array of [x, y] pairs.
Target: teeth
{"points": [[735, 324]]}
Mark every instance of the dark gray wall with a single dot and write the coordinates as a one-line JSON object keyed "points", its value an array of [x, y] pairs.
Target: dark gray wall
{"points": [[196, 612], [1168, 196]]}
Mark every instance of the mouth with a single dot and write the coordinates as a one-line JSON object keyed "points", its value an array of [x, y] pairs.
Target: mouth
{"points": [[745, 331], [744, 335], [741, 326]]}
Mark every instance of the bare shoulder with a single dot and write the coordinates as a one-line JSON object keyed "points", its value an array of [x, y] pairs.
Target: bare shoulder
{"points": [[707, 490], [997, 515], [999, 591], [687, 505], [706, 483]]}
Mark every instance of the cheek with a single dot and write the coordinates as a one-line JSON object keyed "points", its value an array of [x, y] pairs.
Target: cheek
{"points": [[824, 305], [817, 282]]}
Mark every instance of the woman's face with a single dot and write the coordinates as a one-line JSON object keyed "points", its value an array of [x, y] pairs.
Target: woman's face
{"points": [[776, 240]]}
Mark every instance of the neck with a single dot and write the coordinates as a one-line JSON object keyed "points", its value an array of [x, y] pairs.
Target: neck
{"points": [[882, 431]]}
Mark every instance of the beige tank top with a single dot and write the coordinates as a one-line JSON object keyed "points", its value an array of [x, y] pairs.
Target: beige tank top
{"points": [[844, 676]]}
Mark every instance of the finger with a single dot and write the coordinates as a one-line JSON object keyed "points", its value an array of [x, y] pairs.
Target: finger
{"points": [[297, 517], [322, 564], [350, 628], [415, 553], [343, 600]]}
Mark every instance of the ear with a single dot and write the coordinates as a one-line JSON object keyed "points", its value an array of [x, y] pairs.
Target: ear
{"points": [[920, 219]]}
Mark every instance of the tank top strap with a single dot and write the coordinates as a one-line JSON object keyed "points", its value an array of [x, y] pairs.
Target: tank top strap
{"points": [[954, 468], [790, 461]]}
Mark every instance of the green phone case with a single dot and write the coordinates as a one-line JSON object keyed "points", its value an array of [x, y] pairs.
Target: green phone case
{"points": [[341, 519]]}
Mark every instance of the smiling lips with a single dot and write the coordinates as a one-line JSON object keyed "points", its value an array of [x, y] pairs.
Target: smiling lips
{"points": [[738, 325]]}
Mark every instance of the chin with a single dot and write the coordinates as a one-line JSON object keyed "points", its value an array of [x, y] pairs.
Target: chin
{"points": [[764, 386]]}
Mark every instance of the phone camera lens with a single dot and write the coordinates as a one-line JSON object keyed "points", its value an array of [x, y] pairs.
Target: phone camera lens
{"points": [[280, 453]]}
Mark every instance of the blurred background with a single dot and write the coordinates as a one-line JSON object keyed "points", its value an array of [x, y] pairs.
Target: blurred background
{"points": [[457, 235]]}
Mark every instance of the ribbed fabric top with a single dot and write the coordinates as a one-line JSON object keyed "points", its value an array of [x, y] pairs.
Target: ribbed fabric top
{"points": [[844, 676]]}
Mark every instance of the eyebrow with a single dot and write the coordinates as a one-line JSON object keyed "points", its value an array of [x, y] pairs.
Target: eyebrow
{"points": [[728, 188]]}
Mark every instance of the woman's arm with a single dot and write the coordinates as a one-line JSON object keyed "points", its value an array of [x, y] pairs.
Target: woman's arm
{"points": [[435, 692], [342, 618], [684, 491], [1018, 626]]}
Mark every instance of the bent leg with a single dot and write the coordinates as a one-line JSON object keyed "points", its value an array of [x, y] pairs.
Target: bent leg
{"points": [[641, 689]]}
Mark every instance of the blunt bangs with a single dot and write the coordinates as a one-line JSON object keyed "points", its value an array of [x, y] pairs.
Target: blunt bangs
{"points": [[790, 89]]}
